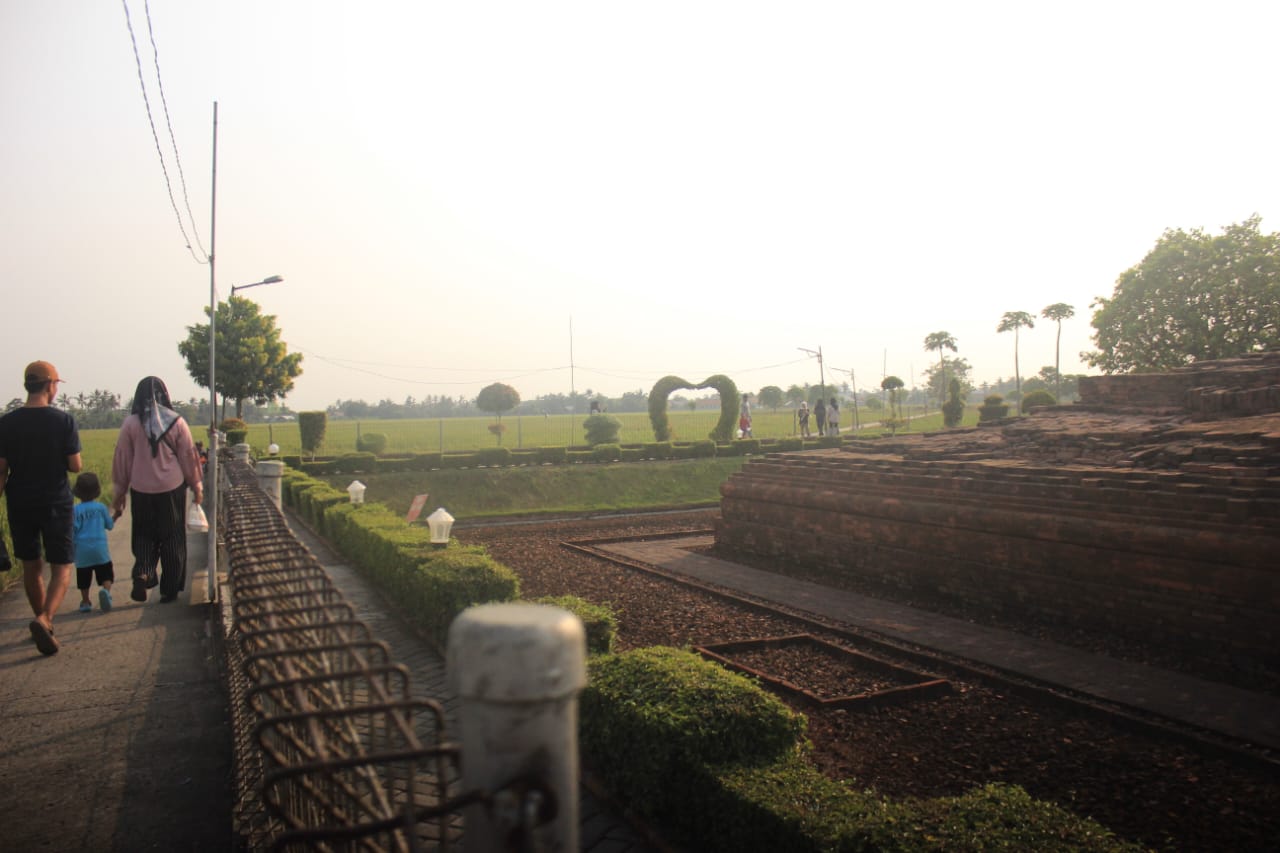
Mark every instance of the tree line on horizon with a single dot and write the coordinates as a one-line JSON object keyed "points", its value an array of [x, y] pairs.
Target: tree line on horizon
{"points": [[1195, 296]]}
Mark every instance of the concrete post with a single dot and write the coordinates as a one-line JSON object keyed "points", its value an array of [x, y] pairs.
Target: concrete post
{"points": [[270, 472], [240, 452], [517, 670]]}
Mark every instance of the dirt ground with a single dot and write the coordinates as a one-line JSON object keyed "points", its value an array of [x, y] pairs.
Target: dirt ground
{"points": [[1157, 792]]}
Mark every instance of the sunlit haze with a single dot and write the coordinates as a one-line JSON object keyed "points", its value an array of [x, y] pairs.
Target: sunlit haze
{"points": [[594, 195]]}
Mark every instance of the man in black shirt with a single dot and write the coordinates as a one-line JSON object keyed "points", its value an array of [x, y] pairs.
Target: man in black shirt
{"points": [[38, 446]]}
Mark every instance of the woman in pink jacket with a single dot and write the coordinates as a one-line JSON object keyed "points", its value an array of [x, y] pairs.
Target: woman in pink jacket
{"points": [[155, 462]]}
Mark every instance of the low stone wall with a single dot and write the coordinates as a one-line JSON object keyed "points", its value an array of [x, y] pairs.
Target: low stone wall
{"points": [[1183, 558], [1246, 385]]}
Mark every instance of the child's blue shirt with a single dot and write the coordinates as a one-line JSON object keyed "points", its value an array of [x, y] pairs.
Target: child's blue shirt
{"points": [[93, 520]]}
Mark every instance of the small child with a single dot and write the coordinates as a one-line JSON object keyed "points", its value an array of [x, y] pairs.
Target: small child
{"points": [[93, 556]]}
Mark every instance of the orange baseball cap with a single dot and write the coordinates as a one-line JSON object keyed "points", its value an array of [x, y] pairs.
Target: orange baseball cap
{"points": [[41, 371]]}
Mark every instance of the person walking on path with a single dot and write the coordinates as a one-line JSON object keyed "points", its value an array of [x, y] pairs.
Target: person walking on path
{"points": [[744, 417], [93, 555], [820, 415], [804, 419], [833, 418], [155, 462], [38, 446]]}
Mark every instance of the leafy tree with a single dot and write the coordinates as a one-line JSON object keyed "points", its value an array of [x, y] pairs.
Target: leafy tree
{"points": [[953, 368], [1015, 320], [771, 396], [940, 341], [1193, 297], [1058, 312], [497, 398], [795, 395], [1069, 383], [253, 362]]}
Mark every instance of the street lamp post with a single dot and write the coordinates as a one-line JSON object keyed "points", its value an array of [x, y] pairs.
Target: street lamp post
{"points": [[213, 421]]}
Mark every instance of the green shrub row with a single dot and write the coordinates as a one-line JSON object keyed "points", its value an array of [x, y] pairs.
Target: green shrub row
{"points": [[721, 765], [600, 623], [432, 585], [367, 462]]}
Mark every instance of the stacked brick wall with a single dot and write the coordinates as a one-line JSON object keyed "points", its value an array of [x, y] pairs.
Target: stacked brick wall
{"points": [[1186, 557], [1246, 385]]}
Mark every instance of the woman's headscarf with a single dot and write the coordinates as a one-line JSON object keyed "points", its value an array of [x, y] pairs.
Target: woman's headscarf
{"points": [[152, 406]]}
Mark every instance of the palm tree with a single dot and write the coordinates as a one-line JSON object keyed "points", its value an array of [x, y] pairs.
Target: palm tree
{"points": [[1015, 320], [1058, 312], [940, 341]]}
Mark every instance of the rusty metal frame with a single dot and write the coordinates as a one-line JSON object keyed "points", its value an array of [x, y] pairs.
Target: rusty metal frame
{"points": [[332, 750]]}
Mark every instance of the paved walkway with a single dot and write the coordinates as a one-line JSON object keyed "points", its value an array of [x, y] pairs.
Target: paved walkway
{"points": [[1240, 714], [120, 741]]}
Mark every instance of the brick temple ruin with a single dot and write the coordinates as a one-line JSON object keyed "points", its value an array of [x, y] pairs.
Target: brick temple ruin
{"points": [[1151, 508]]}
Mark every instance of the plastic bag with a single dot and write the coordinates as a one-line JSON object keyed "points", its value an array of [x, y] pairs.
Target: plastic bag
{"points": [[196, 521]]}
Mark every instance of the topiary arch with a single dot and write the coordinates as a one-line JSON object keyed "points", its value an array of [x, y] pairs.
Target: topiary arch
{"points": [[729, 402]]}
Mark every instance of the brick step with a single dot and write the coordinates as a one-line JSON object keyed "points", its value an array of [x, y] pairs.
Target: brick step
{"points": [[1211, 479], [1184, 503], [963, 528], [1230, 519]]}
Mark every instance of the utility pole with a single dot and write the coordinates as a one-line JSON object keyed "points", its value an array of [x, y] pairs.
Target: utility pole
{"points": [[212, 472], [822, 381]]}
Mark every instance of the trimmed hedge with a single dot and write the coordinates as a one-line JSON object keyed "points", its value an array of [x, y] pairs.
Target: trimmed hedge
{"points": [[600, 622], [721, 765], [553, 455], [433, 585]]}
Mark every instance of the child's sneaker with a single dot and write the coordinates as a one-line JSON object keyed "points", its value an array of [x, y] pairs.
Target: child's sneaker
{"points": [[104, 600], [86, 607]]}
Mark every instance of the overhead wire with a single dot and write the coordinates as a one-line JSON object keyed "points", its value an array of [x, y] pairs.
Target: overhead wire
{"points": [[182, 178], [156, 137], [489, 373]]}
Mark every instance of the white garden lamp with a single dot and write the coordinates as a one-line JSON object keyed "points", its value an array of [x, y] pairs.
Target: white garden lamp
{"points": [[440, 523], [356, 491], [273, 449]]}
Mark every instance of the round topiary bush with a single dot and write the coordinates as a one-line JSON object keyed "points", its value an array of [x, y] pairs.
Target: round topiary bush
{"points": [[1039, 397], [993, 408], [602, 429], [372, 442]]}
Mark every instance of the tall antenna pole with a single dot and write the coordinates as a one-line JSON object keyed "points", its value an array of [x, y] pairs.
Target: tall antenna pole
{"points": [[572, 389], [213, 392]]}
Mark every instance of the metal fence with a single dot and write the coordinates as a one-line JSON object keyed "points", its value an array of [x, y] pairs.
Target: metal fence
{"points": [[331, 749]]}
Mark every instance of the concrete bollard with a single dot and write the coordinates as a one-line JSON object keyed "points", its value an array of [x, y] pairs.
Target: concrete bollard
{"points": [[240, 452], [270, 472], [517, 670]]}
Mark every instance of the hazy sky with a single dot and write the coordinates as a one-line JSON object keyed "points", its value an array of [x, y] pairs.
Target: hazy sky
{"points": [[693, 187]]}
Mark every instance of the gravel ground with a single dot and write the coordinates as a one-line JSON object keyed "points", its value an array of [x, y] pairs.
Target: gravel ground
{"points": [[1163, 794]]}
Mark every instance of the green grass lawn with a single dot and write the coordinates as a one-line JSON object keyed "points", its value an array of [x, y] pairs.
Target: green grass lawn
{"points": [[553, 488]]}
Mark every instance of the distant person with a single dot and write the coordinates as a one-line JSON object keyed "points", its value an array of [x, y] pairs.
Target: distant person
{"points": [[820, 415], [803, 415], [833, 418], [744, 416], [93, 554], [38, 446], [595, 407], [155, 463]]}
